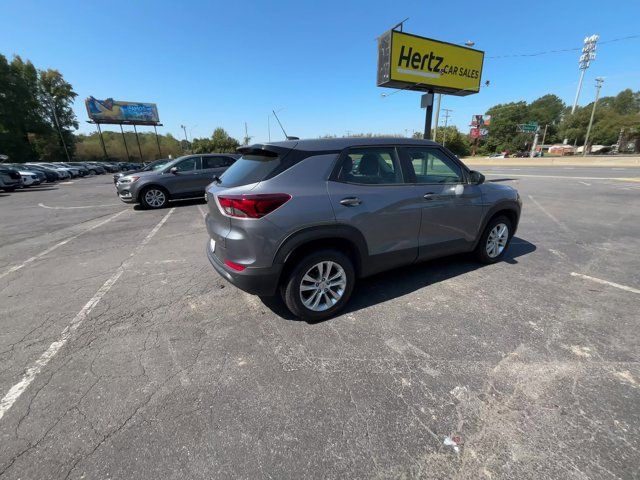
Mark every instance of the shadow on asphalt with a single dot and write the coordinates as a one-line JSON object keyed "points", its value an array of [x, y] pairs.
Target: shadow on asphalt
{"points": [[35, 188], [177, 203], [402, 281]]}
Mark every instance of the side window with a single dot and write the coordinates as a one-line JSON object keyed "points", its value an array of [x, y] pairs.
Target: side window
{"points": [[228, 161], [188, 164], [432, 166], [213, 162], [370, 166]]}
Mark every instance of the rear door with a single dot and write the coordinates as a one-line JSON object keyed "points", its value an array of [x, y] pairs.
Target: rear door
{"points": [[451, 208], [369, 193]]}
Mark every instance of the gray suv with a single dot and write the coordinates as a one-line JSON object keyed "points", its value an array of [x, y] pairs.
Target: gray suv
{"points": [[307, 218], [184, 177]]}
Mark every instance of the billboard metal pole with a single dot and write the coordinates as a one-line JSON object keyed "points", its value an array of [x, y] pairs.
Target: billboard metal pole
{"points": [[125, 144], [157, 141], [426, 102], [138, 140], [104, 148]]}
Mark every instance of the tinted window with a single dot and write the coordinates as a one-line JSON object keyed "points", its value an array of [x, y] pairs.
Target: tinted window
{"points": [[214, 162], [370, 166], [432, 166], [187, 165], [249, 169]]}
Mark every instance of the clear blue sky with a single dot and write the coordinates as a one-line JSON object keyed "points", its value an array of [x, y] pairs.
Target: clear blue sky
{"points": [[209, 64]]}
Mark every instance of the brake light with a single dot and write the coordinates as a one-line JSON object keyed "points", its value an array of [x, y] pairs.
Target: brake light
{"points": [[252, 206], [234, 266]]}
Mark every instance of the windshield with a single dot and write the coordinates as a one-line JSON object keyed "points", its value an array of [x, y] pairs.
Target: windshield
{"points": [[153, 167]]}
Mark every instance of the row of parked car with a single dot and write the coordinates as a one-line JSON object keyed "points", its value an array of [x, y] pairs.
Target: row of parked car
{"points": [[20, 175]]}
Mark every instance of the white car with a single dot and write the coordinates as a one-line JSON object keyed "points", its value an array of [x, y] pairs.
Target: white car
{"points": [[29, 178]]}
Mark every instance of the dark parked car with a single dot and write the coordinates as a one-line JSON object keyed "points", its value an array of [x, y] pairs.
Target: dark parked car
{"points": [[50, 175], [307, 218], [184, 177]]}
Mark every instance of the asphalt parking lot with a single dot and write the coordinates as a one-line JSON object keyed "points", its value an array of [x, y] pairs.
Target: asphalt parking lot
{"points": [[124, 355]]}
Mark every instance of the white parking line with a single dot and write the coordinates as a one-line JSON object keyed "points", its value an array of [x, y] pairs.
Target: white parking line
{"points": [[84, 206], [585, 183], [549, 214], [57, 245], [565, 177], [30, 374], [606, 282]]}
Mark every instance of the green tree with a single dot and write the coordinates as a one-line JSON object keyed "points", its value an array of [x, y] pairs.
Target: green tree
{"points": [[503, 134], [454, 140], [57, 95]]}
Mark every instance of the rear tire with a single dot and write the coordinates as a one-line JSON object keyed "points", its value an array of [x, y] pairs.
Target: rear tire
{"points": [[494, 240], [319, 285], [154, 197]]}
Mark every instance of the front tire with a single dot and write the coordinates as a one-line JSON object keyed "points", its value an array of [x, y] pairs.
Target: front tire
{"points": [[154, 197], [319, 285], [494, 240]]}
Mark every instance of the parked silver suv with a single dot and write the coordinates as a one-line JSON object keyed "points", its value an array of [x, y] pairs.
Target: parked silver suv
{"points": [[306, 218], [184, 177]]}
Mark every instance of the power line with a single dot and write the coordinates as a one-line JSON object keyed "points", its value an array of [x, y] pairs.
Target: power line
{"points": [[562, 50]]}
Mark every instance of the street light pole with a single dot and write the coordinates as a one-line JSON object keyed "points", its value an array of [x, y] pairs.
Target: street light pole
{"points": [[599, 82], [588, 55], [184, 129], [435, 129], [55, 118]]}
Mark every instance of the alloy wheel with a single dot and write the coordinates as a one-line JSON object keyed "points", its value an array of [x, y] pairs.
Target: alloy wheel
{"points": [[323, 286], [155, 198], [497, 240]]}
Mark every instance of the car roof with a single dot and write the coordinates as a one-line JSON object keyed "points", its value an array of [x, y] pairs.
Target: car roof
{"points": [[323, 144]]}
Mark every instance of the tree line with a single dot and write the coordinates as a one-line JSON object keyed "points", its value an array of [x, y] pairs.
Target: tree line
{"points": [[31, 101], [34, 103]]}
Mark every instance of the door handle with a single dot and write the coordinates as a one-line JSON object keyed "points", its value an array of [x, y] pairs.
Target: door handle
{"points": [[429, 196], [350, 201]]}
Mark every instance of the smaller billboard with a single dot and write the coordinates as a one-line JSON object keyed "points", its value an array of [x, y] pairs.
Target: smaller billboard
{"points": [[480, 120], [416, 63], [118, 112]]}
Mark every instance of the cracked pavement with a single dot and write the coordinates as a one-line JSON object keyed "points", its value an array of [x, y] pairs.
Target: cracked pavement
{"points": [[177, 374]]}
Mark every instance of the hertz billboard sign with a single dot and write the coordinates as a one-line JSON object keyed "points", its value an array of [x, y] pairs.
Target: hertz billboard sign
{"points": [[417, 63]]}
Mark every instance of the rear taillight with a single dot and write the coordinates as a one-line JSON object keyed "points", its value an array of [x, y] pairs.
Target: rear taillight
{"points": [[251, 206], [234, 266]]}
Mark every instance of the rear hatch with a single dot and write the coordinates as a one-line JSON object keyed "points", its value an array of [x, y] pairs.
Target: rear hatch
{"points": [[257, 163]]}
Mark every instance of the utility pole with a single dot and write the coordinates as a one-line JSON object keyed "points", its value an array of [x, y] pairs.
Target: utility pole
{"points": [[446, 120], [588, 55], [599, 82], [55, 118], [620, 138], [247, 138], [535, 144], [435, 129]]}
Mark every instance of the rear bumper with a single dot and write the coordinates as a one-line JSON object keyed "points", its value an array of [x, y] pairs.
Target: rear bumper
{"points": [[257, 281]]}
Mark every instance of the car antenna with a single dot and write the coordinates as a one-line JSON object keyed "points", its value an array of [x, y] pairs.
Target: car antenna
{"points": [[280, 123]]}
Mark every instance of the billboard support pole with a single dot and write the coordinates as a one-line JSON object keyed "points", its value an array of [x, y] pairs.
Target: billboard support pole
{"points": [[426, 102], [104, 148], [126, 149], [138, 140], [158, 142]]}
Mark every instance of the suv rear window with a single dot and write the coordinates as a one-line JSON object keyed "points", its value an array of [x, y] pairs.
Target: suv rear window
{"points": [[249, 169]]}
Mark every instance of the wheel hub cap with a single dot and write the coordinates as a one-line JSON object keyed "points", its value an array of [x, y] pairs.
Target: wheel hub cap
{"points": [[322, 286]]}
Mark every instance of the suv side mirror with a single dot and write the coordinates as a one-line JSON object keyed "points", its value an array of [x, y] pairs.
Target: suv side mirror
{"points": [[173, 170], [476, 177]]}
